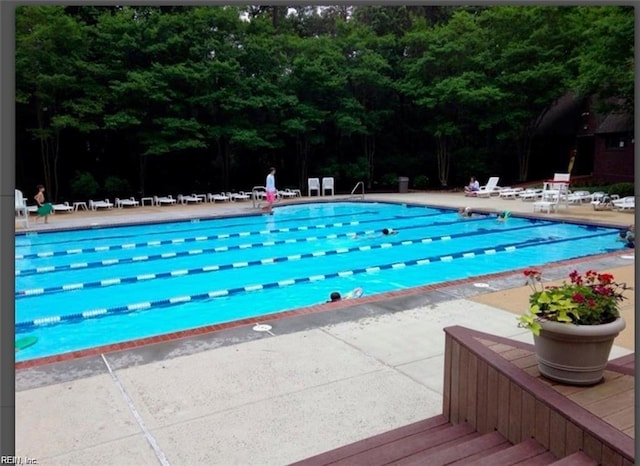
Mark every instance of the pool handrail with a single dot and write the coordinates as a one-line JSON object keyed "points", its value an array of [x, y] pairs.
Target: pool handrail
{"points": [[254, 194], [353, 195]]}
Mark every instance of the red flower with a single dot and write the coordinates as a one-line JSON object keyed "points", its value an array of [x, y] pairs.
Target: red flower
{"points": [[578, 298]]}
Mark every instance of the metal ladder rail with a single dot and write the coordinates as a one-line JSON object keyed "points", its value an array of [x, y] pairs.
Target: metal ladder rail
{"points": [[353, 195], [254, 194]]}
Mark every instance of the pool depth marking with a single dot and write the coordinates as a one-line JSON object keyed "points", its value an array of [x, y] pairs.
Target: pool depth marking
{"points": [[162, 303], [216, 267]]}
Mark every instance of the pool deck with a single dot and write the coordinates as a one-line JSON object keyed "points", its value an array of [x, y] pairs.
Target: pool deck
{"points": [[318, 379]]}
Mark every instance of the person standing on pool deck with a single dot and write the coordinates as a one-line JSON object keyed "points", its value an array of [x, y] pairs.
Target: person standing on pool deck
{"points": [[44, 208], [271, 190]]}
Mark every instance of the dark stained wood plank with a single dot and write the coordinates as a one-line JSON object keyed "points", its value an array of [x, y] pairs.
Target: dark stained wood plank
{"points": [[472, 390], [542, 423], [446, 384], [631, 432], [543, 459], [557, 433], [411, 445], [454, 453], [492, 398], [425, 427], [464, 383], [592, 447], [610, 457], [513, 455], [515, 413], [574, 438], [503, 404], [454, 402], [576, 459], [528, 428], [482, 398]]}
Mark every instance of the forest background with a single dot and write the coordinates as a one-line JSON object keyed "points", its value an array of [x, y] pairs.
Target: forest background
{"points": [[124, 100]]}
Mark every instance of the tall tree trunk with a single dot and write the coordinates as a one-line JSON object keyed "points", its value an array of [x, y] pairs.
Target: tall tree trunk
{"points": [[302, 146], [369, 153], [443, 158]]}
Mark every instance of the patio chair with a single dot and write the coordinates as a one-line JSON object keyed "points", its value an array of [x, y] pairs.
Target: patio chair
{"points": [[64, 207], [239, 196], [531, 194], [489, 189], [189, 198], [625, 203], [314, 185], [509, 192], [328, 185], [579, 197], [22, 212], [286, 194], [218, 197], [164, 200], [95, 205], [131, 202]]}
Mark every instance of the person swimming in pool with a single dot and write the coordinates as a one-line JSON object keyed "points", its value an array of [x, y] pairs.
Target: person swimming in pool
{"points": [[383, 232], [335, 296], [628, 236], [504, 215], [465, 212]]}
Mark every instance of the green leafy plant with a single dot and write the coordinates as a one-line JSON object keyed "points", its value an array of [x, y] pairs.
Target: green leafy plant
{"points": [[84, 185], [589, 299]]}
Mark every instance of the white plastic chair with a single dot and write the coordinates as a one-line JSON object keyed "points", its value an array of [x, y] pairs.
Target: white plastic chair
{"points": [[314, 185], [95, 205], [164, 200], [131, 202], [327, 184], [490, 188], [22, 212], [64, 207]]}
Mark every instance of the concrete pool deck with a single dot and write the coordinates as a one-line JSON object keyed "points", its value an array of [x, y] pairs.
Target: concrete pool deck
{"points": [[312, 383]]}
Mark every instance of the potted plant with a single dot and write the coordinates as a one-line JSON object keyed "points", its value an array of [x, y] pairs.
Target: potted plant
{"points": [[574, 324]]}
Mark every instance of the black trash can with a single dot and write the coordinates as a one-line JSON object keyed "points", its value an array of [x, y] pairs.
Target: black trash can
{"points": [[403, 184]]}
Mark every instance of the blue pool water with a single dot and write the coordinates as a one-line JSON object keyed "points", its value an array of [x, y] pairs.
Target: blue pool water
{"points": [[86, 288]]}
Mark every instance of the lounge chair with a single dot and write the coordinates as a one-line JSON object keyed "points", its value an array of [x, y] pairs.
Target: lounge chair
{"points": [[531, 194], [259, 193], [625, 203], [286, 194], [131, 202], [95, 205], [64, 207], [603, 201], [22, 212], [546, 205], [509, 192], [189, 198], [218, 197], [164, 200], [239, 196], [579, 197], [314, 185], [489, 189], [328, 185]]}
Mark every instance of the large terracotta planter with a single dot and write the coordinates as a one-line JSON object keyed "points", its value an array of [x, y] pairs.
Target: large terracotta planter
{"points": [[575, 354]]}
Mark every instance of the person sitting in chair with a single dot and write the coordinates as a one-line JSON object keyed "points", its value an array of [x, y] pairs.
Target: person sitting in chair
{"points": [[472, 187]]}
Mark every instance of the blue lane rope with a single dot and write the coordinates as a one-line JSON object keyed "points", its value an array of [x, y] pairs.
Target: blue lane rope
{"points": [[171, 255], [116, 281], [95, 313], [214, 237]]}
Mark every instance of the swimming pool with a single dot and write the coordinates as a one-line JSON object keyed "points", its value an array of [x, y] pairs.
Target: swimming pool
{"points": [[86, 288]]}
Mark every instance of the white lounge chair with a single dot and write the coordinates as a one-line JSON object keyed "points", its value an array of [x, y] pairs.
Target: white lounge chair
{"points": [[579, 197], [314, 185], [64, 207], [22, 212], [218, 197], [286, 194], [625, 203], [131, 202], [603, 201], [164, 200], [509, 192], [489, 189], [328, 185], [239, 196], [189, 198], [95, 205], [546, 206]]}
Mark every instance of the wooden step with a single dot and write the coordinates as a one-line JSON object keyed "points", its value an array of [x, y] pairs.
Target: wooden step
{"points": [[578, 458], [517, 454], [461, 452]]}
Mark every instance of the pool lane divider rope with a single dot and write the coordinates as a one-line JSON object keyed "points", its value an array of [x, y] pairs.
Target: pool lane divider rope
{"points": [[213, 268], [171, 255], [163, 303], [214, 237]]}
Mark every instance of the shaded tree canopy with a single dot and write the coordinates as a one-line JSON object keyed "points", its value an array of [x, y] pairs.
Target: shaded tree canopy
{"points": [[182, 98]]}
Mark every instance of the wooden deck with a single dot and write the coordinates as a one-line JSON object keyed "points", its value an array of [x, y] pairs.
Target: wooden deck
{"points": [[498, 409]]}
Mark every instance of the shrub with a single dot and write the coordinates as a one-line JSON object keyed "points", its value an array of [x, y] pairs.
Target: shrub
{"points": [[84, 185], [117, 187], [621, 189], [421, 182]]}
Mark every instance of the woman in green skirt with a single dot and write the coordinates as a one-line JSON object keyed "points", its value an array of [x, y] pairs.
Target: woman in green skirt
{"points": [[44, 208]]}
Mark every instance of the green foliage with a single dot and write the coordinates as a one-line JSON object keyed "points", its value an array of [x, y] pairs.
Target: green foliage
{"points": [[84, 185], [420, 181], [116, 187], [589, 299], [622, 189]]}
